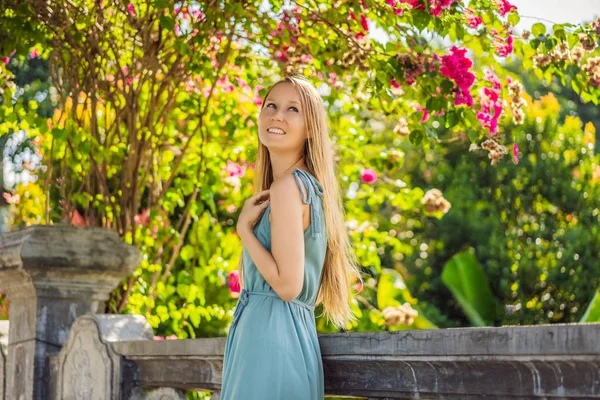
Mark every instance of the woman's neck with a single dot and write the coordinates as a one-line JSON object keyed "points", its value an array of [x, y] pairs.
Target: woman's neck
{"points": [[283, 165]]}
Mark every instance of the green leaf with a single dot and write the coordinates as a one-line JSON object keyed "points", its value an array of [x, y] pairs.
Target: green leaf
{"points": [[586, 97], [465, 278], [416, 137], [538, 29], [513, 18], [421, 19], [592, 313], [187, 252], [559, 32], [167, 22]]}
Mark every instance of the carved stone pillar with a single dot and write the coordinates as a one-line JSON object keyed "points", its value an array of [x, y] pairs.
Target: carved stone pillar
{"points": [[88, 367], [52, 275]]}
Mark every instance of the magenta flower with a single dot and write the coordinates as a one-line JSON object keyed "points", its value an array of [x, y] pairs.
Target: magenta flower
{"points": [[235, 169], [131, 9], [425, 112], [364, 22], [515, 153], [438, 5], [491, 103], [504, 7], [6, 60], [368, 175], [34, 53], [504, 47], [234, 282], [473, 20], [456, 67]]}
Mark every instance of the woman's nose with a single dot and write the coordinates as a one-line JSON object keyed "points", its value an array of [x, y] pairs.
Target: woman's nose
{"points": [[277, 116]]}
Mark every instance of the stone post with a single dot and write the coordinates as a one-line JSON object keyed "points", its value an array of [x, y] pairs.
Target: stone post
{"points": [[52, 275]]}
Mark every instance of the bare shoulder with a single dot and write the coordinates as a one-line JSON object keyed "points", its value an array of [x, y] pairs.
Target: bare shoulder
{"points": [[284, 187], [286, 198]]}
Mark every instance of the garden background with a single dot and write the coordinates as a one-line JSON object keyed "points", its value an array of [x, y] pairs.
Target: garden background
{"points": [[465, 137]]}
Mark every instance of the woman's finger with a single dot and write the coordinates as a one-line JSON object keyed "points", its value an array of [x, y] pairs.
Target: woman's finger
{"points": [[259, 194]]}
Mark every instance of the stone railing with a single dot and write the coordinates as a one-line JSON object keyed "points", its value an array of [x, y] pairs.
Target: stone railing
{"points": [[60, 347]]}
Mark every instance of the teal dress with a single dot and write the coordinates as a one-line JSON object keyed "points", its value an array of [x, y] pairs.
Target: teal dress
{"points": [[272, 350]]}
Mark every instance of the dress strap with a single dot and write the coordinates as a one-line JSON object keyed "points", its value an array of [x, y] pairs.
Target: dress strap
{"points": [[311, 189]]}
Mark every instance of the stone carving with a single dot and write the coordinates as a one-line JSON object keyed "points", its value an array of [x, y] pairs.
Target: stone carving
{"points": [[86, 365], [88, 368]]}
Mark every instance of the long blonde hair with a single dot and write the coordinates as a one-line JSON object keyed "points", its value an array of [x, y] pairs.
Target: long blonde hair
{"points": [[340, 269]]}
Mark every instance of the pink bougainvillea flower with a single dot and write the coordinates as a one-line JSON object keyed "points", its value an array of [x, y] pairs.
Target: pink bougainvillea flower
{"points": [[257, 100], [515, 153], [395, 6], [456, 67], [368, 175], [504, 7], [438, 5], [364, 22], [473, 20], [34, 53], [131, 9], [489, 76], [234, 282], [6, 60], [231, 208], [394, 83], [143, 218], [504, 48], [425, 112], [235, 169], [77, 219], [491, 103]]}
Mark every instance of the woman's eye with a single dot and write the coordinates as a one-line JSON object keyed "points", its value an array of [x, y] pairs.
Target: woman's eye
{"points": [[273, 104]]}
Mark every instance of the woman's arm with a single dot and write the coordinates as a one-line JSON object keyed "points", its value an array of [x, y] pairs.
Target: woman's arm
{"points": [[283, 268]]}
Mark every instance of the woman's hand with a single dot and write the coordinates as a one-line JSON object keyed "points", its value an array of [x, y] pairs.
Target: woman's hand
{"points": [[253, 208]]}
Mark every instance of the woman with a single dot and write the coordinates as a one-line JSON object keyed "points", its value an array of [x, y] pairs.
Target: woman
{"points": [[296, 254]]}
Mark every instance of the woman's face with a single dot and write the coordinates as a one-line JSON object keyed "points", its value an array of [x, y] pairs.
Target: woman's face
{"points": [[282, 109]]}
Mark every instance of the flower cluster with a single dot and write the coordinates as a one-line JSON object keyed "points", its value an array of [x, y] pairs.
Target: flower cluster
{"points": [[504, 7], [434, 201], [496, 151], [412, 66], [368, 175], [473, 20], [516, 101], [401, 127], [437, 6], [592, 69], [588, 42], [596, 25], [491, 103], [456, 67], [403, 314], [234, 283], [503, 46]]}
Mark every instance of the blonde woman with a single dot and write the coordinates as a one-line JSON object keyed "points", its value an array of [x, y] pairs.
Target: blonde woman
{"points": [[296, 254]]}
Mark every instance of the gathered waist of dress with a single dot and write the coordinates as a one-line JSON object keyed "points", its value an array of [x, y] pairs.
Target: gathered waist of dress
{"points": [[245, 293]]}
